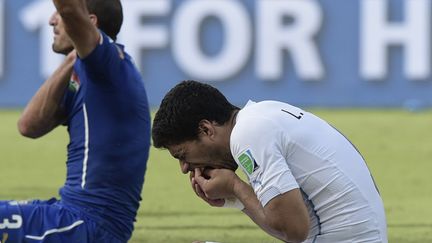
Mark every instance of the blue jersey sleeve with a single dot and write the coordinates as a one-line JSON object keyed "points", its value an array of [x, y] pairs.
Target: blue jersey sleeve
{"points": [[105, 62]]}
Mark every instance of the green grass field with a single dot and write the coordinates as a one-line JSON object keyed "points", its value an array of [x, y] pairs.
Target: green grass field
{"points": [[396, 144]]}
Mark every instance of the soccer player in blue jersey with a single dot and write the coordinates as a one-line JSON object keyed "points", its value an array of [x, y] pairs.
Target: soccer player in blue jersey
{"points": [[98, 94]]}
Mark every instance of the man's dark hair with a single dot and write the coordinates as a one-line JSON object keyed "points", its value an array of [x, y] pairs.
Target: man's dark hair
{"points": [[109, 14], [182, 109]]}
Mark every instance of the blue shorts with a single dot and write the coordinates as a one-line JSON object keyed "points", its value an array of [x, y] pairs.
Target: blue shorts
{"points": [[47, 221]]}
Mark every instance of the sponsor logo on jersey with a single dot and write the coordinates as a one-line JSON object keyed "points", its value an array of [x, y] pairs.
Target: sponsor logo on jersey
{"points": [[248, 162]]}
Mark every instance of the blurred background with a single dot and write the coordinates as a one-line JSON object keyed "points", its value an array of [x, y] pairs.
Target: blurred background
{"points": [[363, 65], [328, 53]]}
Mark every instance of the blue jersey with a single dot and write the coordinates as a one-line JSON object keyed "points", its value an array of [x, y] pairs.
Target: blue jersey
{"points": [[49, 221], [109, 127]]}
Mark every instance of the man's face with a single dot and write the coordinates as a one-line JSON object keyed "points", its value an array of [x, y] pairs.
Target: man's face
{"points": [[62, 42], [201, 153]]}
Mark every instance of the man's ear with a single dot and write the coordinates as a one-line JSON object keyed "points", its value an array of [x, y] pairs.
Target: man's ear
{"points": [[94, 20], [206, 128]]}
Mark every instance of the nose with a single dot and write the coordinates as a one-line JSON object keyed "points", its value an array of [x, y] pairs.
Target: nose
{"points": [[184, 167], [53, 19]]}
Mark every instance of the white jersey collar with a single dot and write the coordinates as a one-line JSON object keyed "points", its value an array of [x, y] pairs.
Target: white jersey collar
{"points": [[250, 102]]}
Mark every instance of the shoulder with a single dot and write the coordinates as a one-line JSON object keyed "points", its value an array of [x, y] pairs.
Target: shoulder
{"points": [[251, 125], [255, 129], [256, 120], [108, 60], [106, 49]]}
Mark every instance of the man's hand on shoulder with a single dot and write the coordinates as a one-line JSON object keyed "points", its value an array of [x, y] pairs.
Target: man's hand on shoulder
{"points": [[71, 57]]}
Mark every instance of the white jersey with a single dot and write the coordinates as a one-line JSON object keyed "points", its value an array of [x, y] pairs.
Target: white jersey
{"points": [[281, 147]]}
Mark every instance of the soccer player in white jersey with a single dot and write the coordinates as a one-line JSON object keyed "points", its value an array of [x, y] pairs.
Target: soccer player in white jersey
{"points": [[307, 182]]}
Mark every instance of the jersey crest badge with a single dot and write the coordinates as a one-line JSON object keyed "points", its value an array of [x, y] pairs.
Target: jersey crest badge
{"points": [[248, 162], [74, 83]]}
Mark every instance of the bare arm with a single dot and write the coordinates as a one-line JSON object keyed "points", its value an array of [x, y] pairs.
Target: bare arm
{"points": [[43, 113], [80, 27], [284, 217]]}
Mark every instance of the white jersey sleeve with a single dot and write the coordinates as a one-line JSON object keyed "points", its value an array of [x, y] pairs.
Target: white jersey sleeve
{"points": [[260, 155]]}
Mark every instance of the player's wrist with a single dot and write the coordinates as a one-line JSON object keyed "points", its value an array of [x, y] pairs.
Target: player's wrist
{"points": [[233, 203], [238, 187]]}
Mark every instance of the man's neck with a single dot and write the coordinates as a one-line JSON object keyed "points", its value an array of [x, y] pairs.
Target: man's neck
{"points": [[230, 126]]}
